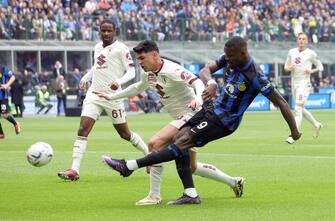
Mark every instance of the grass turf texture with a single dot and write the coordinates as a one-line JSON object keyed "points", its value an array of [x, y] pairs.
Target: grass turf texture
{"points": [[284, 182]]}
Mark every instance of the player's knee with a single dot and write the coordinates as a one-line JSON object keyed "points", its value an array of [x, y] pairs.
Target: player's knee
{"points": [[153, 145], [82, 131]]}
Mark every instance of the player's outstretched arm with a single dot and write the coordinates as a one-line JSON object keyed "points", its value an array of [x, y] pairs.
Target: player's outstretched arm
{"points": [[128, 76], [88, 76], [199, 88], [130, 91], [206, 77], [279, 101]]}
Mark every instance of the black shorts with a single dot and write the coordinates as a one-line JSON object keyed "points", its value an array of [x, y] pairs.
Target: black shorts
{"points": [[4, 108], [206, 126]]}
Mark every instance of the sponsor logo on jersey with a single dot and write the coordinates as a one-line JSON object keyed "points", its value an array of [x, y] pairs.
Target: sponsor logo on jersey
{"points": [[297, 60], [242, 86], [159, 90], [101, 60]]}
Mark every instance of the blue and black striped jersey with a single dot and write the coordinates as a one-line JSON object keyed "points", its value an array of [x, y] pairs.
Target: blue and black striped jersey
{"points": [[5, 74], [241, 86]]}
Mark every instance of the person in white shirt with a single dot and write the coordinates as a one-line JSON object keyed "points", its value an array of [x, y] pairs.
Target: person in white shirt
{"points": [[180, 91], [299, 62], [113, 67]]}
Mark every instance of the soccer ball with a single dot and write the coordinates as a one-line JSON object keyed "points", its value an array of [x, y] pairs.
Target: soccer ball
{"points": [[39, 154]]}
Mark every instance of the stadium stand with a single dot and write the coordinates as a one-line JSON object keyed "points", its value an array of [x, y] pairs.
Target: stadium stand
{"points": [[205, 20], [35, 34]]}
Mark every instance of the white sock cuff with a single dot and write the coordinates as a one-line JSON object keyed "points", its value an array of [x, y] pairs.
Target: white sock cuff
{"points": [[137, 142], [132, 164], [192, 192], [133, 137], [81, 140]]}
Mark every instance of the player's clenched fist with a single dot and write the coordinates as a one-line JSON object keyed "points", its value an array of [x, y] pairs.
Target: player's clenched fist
{"points": [[82, 85]]}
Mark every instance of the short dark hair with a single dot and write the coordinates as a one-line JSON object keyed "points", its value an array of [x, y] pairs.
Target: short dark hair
{"points": [[146, 46], [236, 42], [108, 21]]}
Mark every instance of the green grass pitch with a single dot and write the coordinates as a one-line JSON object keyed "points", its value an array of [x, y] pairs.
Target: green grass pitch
{"points": [[283, 182]]}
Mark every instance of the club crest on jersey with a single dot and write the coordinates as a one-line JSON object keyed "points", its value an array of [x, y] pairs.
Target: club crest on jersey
{"points": [[185, 75], [229, 89], [297, 60], [242, 86], [152, 78]]}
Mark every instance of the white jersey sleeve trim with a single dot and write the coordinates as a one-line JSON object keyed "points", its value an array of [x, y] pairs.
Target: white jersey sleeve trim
{"points": [[199, 87]]}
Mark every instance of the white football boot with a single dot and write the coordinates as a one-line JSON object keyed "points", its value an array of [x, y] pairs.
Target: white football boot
{"points": [[149, 200], [317, 130], [289, 140], [238, 188]]}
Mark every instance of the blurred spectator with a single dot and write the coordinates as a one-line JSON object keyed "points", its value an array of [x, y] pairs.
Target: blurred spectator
{"points": [[44, 78], [16, 91], [271, 20], [61, 89], [37, 24], [131, 28], [149, 101], [58, 70], [35, 79], [27, 81], [77, 75], [283, 92], [42, 99], [133, 104]]}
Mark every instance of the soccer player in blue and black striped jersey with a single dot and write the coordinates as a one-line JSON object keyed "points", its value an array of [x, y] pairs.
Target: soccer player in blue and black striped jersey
{"points": [[218, 118], [6, 79]]}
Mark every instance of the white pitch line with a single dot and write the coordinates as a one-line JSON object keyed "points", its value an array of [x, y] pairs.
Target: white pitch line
{"points": [[201, 154]]}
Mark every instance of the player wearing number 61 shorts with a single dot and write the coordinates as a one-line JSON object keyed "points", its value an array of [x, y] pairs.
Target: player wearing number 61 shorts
{"points": [[113, 66]]}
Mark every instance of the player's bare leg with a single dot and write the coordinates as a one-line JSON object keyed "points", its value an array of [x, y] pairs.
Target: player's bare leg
{"points": [[161, 139], [2, 134], [132, 137], [176, 151], [79, 148], [211, 172], [11, 119]]}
